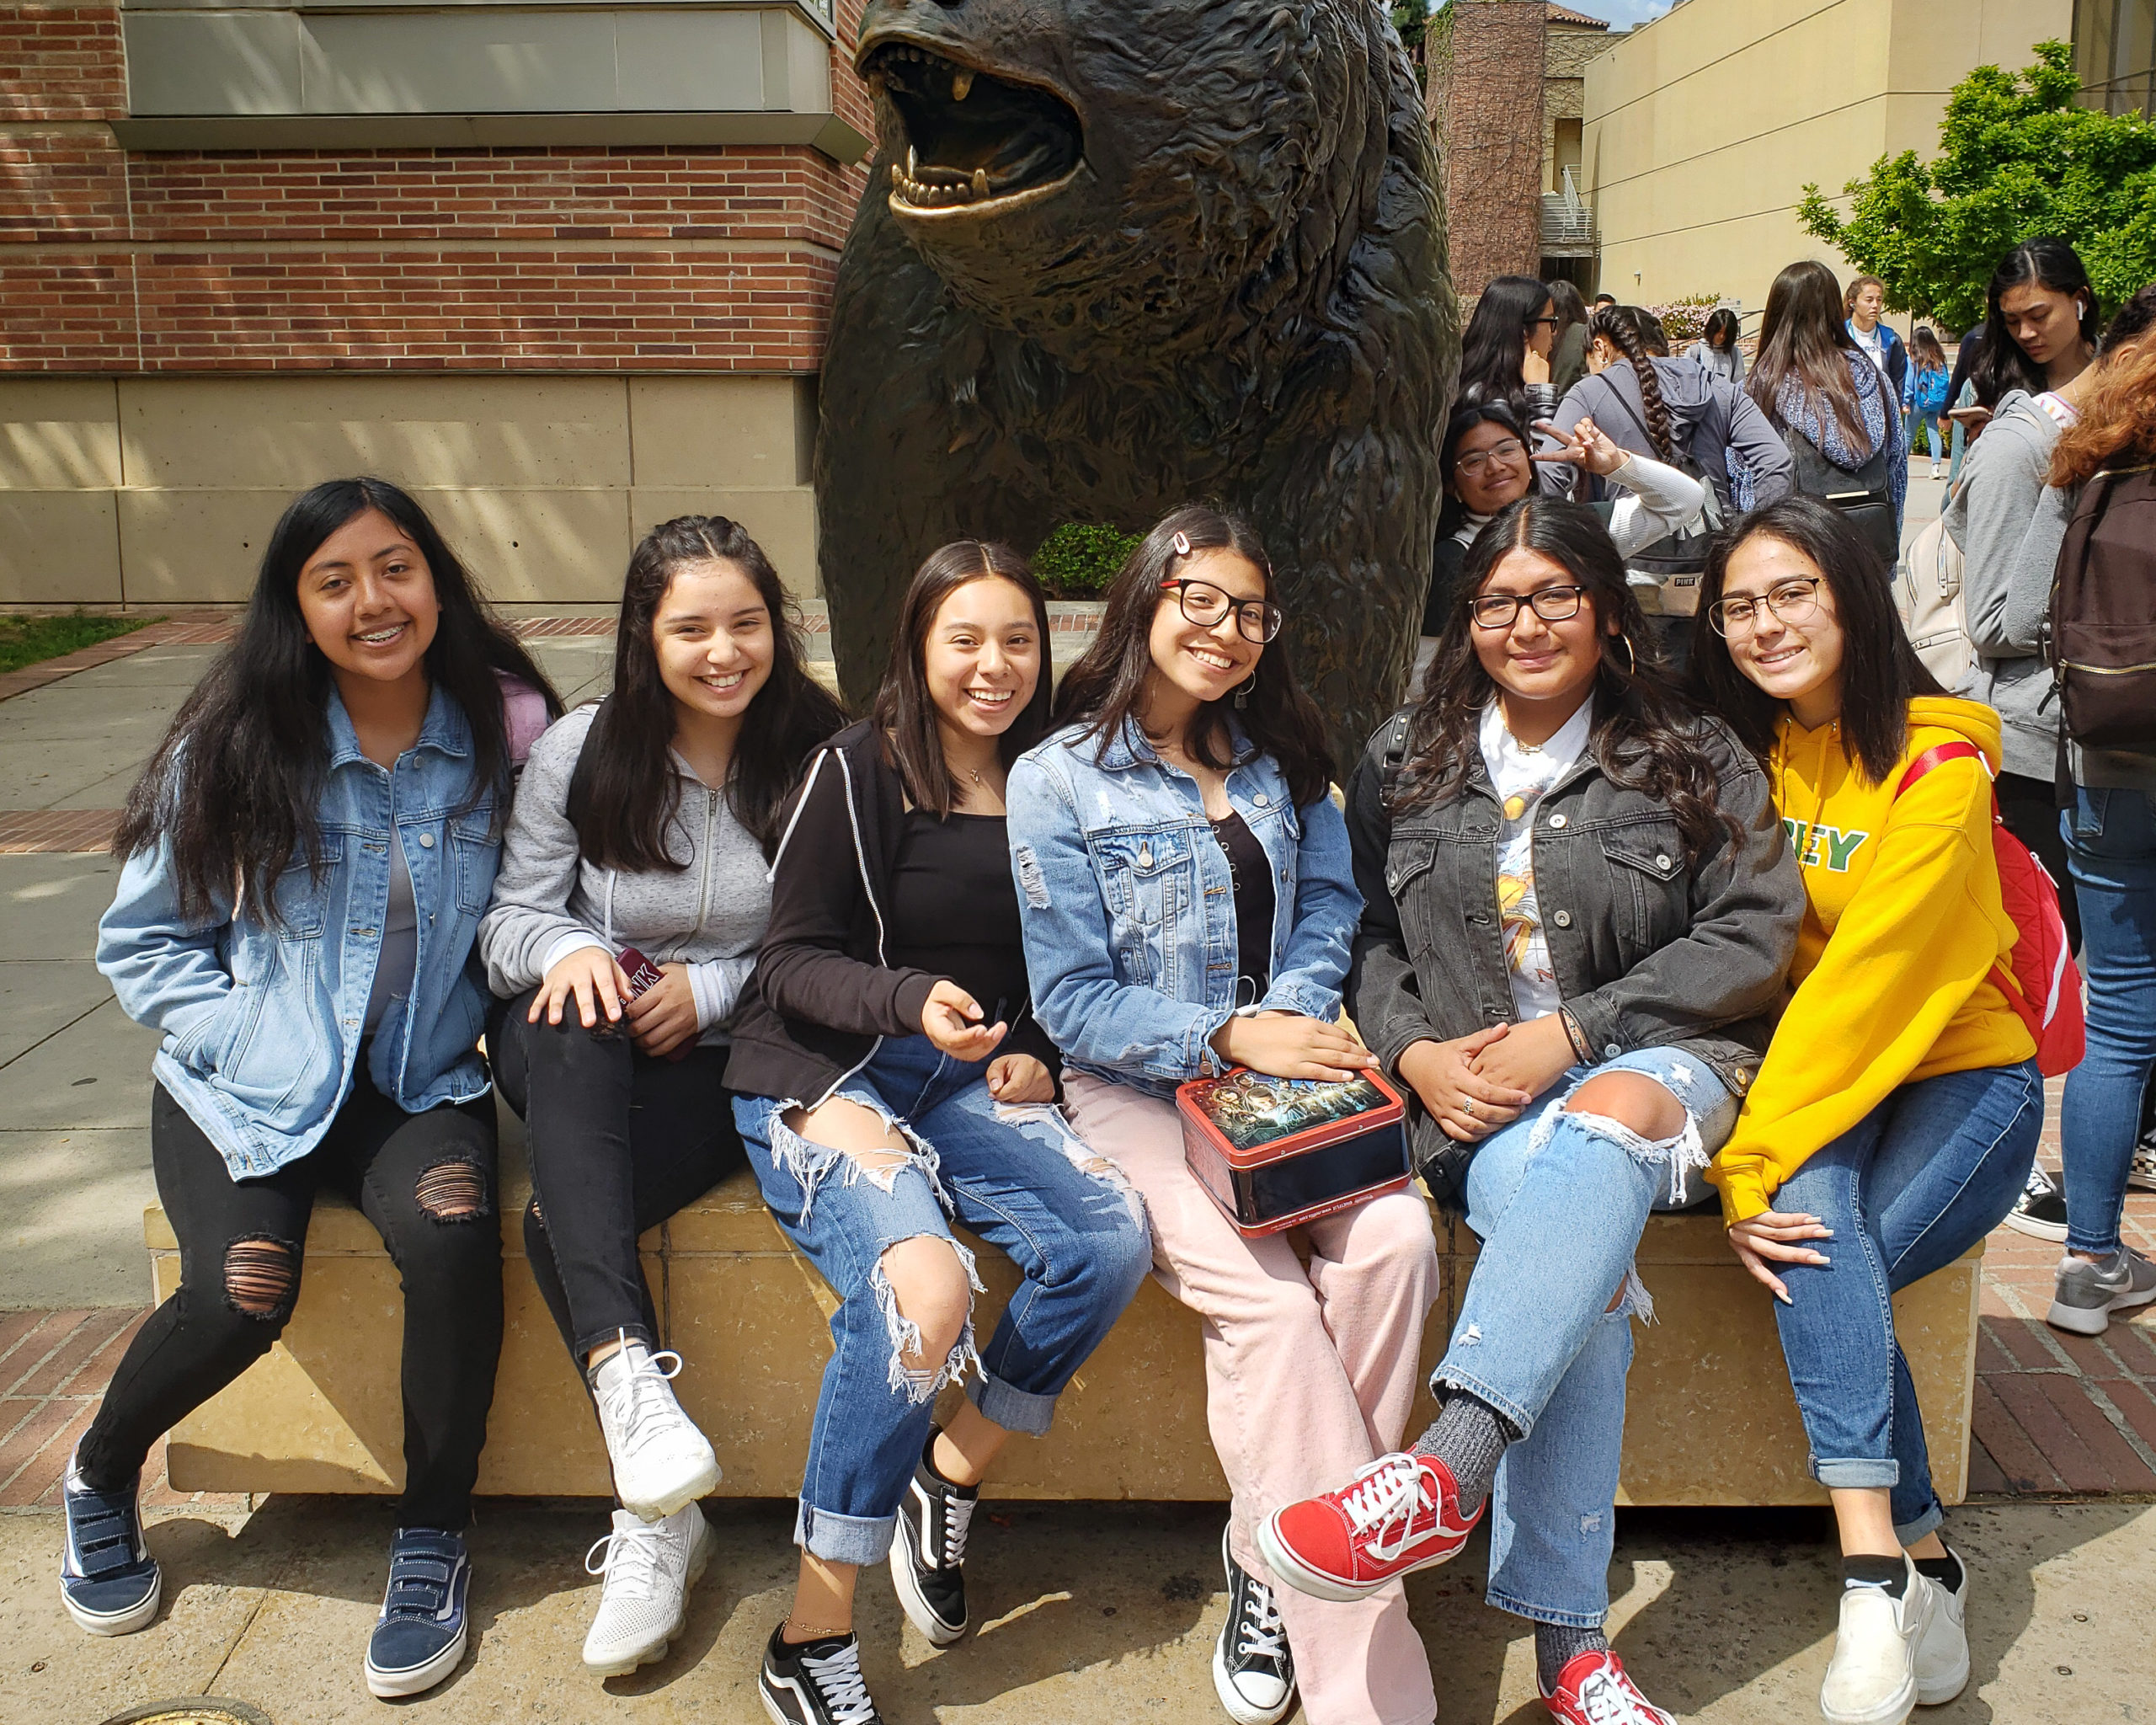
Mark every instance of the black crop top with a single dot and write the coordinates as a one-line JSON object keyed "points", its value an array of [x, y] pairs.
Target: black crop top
{"points": [[1252, 878], [954, 909]]}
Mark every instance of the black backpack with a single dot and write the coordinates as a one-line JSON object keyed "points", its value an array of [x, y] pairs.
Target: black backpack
{"points": [[2099, 635], [1861, 495]]}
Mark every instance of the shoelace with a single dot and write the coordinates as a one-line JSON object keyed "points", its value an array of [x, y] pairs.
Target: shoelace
{"points": [[1384, 1499], [838, 1681], [958, 1521], [1263, 1636], [1608, 1698], [419, 1582], [636, 1394], [628, 1558]]}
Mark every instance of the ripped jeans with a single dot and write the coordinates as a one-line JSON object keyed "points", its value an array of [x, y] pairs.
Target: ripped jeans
{"points": [[426, 1181], [1559, 1201], [1019, 1178]]}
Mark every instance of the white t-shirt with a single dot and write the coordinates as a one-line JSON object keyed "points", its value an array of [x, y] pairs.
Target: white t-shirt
{"points": [[1521, 776], [1873, 341]]}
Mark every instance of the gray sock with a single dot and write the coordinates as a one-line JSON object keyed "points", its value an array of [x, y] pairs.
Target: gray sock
{"points": [[1470, 1438], [1557, 1645]]}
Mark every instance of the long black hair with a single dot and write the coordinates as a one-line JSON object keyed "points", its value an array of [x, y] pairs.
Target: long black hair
{"points": [[1624, 328], [1881, 671], [1804, 343], [626, 791], [1106, 687], [1646, 735], [905, 712], [1495, 341], [1722, 328], [2050, 263], [235, 786]]}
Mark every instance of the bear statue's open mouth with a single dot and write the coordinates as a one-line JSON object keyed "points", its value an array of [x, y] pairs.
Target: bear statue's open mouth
{"points": [[975, 140]]}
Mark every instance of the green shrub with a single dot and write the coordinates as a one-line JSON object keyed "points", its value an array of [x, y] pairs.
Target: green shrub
{"points": [[26, 640], [1076, 561]]}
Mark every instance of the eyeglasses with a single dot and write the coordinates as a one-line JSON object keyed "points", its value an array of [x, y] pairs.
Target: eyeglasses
{"points": [[1533, 322], [1204, 604], [1791, 601], [1473, 464], [1553, 605]]}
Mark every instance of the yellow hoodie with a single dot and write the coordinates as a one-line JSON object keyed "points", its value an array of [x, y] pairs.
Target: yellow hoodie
{"points": [[1901, 926]]}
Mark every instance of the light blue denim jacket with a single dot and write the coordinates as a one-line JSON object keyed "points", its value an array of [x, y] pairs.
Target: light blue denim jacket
{"points": [[1128, 910], [262, 1024]]}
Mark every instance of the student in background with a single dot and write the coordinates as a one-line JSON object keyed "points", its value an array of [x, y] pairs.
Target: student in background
{"points": [[1505, 355], [1924, 392], [1864, 305], [1716, 352], [1568, 358]]}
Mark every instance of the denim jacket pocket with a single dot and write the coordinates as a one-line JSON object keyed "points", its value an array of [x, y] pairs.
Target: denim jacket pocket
{"points": [[302, 907], [1146, 880], [1409, 880], [1647, 879], [475, 852]]}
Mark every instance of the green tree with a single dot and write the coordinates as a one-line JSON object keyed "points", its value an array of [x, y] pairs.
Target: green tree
{"points": [[1411, 19], [2016, 159]]}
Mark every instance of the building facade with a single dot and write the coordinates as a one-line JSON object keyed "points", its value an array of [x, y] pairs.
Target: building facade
{"points": [[563, 272], [2115, 52], [1701, 128]]}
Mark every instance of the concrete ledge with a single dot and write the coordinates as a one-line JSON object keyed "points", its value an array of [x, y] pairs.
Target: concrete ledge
{"points": [[1710, 1418]]}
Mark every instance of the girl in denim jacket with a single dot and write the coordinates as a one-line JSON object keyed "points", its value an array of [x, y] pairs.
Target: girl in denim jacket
{"points": [[1581, 907], [1188, 909], [307, 857]]}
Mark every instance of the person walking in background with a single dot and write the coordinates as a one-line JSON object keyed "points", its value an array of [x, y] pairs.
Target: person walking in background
{"points": [[644, 823], [1924, 392], [1568, 358], [1505, 355], [2106, 840], [305, 860], [1967, 414], [1864, 305], [1831, 404], [1716, 352]]}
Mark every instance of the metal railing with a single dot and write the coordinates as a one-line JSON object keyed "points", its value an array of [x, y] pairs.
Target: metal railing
{"points": [[1567, 219]]}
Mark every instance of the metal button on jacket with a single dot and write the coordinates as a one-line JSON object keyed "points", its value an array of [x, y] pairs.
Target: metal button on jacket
{"points": [[1563, 919], [426, 841], [1556, 820]]}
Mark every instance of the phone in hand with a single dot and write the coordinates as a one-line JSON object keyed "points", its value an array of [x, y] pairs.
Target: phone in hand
{"points": [[643, 976]]}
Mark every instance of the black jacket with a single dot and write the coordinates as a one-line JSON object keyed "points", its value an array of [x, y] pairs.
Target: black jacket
{"points": [[821, 995], [1650, 949]]}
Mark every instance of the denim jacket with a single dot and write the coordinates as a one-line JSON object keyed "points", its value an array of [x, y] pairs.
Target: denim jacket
{"points": [[1651, 949], [1128, 910], [262, 1023]]}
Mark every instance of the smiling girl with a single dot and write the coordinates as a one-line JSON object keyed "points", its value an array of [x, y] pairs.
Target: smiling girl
{"points": [[306, 857], [1578, 909], [644, 823], [892, 1082]]}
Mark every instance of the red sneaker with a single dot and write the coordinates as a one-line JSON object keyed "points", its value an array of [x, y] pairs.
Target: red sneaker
{"points": [[1594, 1688], [1399, 1514]]}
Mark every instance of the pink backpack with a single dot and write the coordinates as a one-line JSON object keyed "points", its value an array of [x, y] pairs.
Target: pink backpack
{"points": [[2038, 977], [525, 708]]}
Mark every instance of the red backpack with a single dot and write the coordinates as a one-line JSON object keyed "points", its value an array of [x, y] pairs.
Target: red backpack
{"points": [[2038, 977]]}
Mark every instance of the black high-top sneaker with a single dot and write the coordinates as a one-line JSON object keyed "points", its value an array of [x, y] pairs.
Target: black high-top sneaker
{"points": [[929, 1555], [1253, 1672], [816, 1683]]}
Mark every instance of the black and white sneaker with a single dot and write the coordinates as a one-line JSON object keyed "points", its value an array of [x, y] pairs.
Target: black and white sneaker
{"points": [[928, 1558], [2041, 1209], [2141, 1172], [1253, 1672], [817, 1683]]}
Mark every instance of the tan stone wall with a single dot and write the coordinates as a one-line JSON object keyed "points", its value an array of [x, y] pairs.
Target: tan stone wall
{"points": [[1702, 127], [161, 490]]}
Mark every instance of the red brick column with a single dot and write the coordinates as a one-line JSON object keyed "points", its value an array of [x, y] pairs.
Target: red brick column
{"points": [[1485, 108]]}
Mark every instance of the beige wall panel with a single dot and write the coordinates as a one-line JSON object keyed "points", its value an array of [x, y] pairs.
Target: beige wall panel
{"points": [[58, 547], [59, 434], [485, 61], [716, 431], [225, 62], [688, 61], [783, 522], [254, 432], [1937, 41]]}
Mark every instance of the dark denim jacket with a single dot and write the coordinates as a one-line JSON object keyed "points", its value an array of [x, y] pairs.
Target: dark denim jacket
{"points": [[1651, 950]]}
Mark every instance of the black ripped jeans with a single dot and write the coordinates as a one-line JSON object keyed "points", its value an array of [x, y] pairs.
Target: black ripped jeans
{"points": [[620, 1141], [427, 1183]]}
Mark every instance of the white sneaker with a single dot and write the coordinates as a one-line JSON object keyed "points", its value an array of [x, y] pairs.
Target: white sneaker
{"points": [[649, 1567], [1872, 1677], [661, 1460], [1943, 1653]]}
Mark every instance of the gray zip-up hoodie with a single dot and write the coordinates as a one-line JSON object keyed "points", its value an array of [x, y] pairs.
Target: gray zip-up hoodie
{"points": [[548, 900]]}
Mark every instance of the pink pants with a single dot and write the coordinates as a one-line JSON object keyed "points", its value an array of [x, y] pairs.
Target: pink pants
{"points": [[1309, 1374]]}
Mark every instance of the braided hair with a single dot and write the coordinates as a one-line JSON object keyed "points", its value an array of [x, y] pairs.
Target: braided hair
{"points": [[1622, 328]]}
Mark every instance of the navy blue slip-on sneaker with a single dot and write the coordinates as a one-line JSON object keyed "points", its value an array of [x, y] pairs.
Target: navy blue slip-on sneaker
{"points": [[419, 1637], [108, 1581]]}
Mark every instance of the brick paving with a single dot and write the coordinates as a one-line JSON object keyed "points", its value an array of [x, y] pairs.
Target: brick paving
{"points": [[31, 832], [172, 632]]}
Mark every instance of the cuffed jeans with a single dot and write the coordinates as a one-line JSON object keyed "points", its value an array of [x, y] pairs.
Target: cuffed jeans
{"points": [[1310, 1371], [1906, 1190], [1559, 1200], [1017, 1176], [2110, 838]]}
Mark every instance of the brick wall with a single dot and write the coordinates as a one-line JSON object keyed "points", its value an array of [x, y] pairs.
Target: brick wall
{"points": [[622, 258], [1487, 101]]}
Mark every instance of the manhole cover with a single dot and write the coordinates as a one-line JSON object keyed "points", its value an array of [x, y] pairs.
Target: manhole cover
{"points": [[192, 1710]]}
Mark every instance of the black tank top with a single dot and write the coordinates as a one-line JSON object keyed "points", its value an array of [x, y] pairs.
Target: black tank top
{"points": [[954, 908], [1251, 875]]}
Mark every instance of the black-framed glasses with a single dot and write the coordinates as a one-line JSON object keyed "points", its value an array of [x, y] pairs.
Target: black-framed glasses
{"points": [[1202, 603], [1472, 463], [1791, 600], [1553, 605]]}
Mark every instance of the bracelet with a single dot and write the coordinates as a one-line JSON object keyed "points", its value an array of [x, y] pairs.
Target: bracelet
{"points": [[1574, 1036]]}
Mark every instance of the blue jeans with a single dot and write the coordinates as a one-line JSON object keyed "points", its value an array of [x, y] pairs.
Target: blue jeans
{"points": [[1910, 1187], [2110, 838], [1017, 1176], [1559, 1200]]}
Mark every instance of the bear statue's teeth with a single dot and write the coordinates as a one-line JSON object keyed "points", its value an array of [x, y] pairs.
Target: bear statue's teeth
{"points": [[962, 84], [980, 182], [913, 163]]}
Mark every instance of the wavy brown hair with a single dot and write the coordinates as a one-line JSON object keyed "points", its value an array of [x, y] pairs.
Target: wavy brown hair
{"points": [[2118, 426], [1622, 327], [905, 710], [1647, 736], [1107, 686], [1804, 340]]}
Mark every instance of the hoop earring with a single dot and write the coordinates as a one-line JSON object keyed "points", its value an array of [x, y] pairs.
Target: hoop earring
{"points": [[1631, 659], [1242, 695]]}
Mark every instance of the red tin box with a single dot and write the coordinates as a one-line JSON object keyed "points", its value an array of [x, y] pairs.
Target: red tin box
{"points": [[1276, 1152]]}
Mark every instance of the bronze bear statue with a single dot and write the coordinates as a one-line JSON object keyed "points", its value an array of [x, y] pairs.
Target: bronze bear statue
{"points": [[1115, 256]]}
